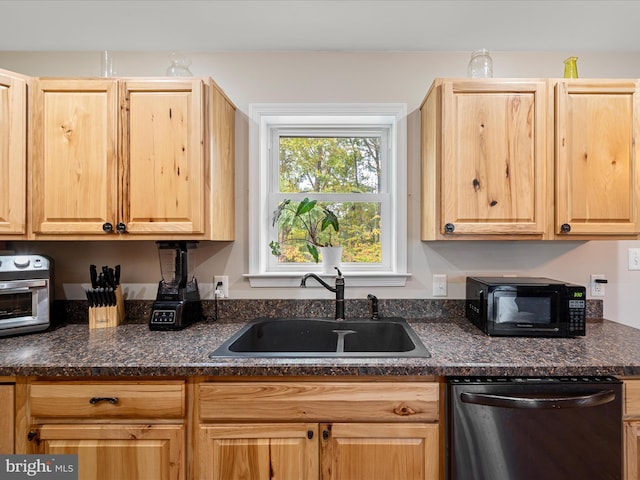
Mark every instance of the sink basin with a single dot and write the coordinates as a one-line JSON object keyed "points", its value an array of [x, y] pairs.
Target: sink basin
{"points": [[315, 337]]}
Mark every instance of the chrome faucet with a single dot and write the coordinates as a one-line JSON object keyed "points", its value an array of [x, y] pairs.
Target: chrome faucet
{"points": [[338, 290]]}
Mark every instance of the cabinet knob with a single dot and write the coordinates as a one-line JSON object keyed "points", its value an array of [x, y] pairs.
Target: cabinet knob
{"points": [[121, 228], [31, 436], [107, 227], [325, 434], [309, 434], [565, 228], [449, 228]]}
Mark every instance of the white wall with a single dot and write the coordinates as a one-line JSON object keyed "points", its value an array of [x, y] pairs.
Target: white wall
{"points": [[343, 77]]}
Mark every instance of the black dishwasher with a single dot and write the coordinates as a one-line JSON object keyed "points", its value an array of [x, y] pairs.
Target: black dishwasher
{"points": [[551, 428]]}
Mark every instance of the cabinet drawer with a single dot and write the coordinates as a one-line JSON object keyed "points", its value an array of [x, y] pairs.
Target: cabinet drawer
{"points": [[319, 401], [632, 398], [107, 399]]}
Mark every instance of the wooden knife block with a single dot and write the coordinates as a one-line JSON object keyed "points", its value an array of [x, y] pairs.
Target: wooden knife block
{"points": [[111, 316]]}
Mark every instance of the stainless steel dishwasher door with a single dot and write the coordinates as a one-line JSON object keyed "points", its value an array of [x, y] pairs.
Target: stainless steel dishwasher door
{"points": [[534, 428]]}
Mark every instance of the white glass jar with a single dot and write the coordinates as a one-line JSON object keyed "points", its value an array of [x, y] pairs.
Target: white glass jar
{"points": [[480, 65], [179, 66]]}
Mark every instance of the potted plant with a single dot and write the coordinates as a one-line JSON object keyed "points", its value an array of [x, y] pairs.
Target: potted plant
{"points": [[317, 222]]}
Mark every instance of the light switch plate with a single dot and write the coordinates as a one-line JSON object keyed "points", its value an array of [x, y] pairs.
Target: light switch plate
{"points": [[634, 259]]}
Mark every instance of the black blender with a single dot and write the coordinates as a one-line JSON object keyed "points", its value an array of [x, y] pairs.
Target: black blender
{"points": [[177, 303]]}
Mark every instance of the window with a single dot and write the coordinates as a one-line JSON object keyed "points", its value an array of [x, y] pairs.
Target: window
{"points": [[351, 160]]}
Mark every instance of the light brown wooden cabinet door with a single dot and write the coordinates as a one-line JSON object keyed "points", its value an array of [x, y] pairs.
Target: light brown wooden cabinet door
{"points": [[75, 164], [298, 451], [116, 452], [258, 452], [596, 153], [123, 156], [369, 451], [7, 418], [13, 153], [484, 167], [162, 184], [631, 450], [631, 429]]}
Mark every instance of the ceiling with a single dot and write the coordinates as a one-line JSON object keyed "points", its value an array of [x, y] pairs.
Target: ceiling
{"points": [[320, 25]]}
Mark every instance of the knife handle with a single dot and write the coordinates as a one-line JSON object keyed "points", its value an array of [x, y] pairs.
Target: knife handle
{"points": [[93, 274]]}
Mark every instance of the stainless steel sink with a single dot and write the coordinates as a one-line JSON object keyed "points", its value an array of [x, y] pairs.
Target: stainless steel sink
{"points": [[316, 337]]}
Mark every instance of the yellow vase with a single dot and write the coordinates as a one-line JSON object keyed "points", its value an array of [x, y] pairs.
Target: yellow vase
{"points": [[571, 67]]}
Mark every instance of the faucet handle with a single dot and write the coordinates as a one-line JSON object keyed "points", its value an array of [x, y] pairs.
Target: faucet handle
{"points": [[373, 306], [339, 272]]}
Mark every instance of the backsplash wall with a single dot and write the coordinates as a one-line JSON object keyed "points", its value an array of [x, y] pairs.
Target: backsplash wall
{"points": [[341, 77]]}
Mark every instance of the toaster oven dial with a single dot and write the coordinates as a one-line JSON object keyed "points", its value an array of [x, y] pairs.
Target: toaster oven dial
{"points": [[21, 262]]}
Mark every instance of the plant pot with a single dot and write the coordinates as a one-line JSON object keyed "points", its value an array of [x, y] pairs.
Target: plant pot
{"points": [[331, 257]]}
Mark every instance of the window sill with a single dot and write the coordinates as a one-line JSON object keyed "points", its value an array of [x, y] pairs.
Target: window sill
{"points": [[353, 279]]}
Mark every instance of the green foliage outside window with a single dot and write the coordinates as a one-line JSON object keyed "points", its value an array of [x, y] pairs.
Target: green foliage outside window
{"points": [[325, 165]]}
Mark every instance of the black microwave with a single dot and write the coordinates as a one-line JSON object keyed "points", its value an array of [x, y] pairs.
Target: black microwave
{"points": [[526, 306]]}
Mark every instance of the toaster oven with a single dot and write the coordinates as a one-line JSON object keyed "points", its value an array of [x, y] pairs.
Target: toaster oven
{"points": [[26, 293]]}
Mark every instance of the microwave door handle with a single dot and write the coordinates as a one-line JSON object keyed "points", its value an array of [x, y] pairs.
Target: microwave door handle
{"points": [[560, 401]]}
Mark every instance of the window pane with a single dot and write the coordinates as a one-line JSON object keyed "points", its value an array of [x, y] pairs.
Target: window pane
{"points": [[330, 164], [359, 234]]}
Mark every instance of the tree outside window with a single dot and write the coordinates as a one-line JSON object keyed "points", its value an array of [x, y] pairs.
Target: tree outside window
{"points": [[317, 166]]}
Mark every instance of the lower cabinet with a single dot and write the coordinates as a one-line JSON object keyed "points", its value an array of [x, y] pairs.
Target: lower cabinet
{"points": [[311, 451], [133, 430], [259, 451], [379, 451], [317, 430], [117, 451], [230, 429], [7, 418], [631, 429], [632, 449]]}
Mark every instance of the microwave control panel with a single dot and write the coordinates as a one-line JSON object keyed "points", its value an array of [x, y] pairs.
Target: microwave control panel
{"points": [[577, 308]]}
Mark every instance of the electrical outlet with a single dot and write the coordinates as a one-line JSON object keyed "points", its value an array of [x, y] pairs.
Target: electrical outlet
{"points": [[634, 259], [440, 285], [597, 289], [225, 285]]}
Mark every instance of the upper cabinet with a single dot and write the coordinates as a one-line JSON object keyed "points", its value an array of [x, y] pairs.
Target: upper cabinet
{"points": [[484, 170], [13, 154], [74, 176], [221, 131], [162, 166], [530, 159], [597, 179], [131, 159]]}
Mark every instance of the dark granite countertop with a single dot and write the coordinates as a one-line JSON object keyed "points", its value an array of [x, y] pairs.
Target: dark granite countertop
{"points": [[456, 347]]}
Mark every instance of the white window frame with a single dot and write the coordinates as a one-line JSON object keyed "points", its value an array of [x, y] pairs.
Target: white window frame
{"points": [[265, 121]]}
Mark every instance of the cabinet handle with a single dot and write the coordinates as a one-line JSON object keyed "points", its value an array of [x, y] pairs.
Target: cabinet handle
{"points": [[449, 228], [565, 228], [107, 227], [309, 434], [325, 434], [121, 228], [111, 400]]}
